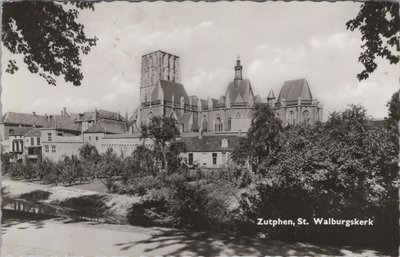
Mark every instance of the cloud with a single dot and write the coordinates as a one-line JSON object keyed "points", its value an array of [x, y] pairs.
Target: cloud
{"points": [[338, 41]]}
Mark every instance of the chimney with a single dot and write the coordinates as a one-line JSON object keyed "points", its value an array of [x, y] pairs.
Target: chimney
{"points": [[34, 113], [95, 115], [118, 116], [46, 117], [65, 111]]}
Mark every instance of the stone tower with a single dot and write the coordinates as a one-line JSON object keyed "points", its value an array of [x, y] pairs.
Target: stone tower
{"points": [[158, 66]]}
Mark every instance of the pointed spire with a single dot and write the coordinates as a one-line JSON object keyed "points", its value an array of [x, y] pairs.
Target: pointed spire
{"points": [[271, 94]]}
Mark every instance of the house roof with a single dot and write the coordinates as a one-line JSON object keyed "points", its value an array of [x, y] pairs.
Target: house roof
{"points": [[101, 114], [61, 122], [295, 89], [21, 131], [210, 143], [23, 119], [108, 127], [169, 90], [34, 132], [239, 89]]}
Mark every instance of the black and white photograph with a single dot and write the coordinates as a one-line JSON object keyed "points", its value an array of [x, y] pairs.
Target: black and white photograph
{"points": [[222, 128]]}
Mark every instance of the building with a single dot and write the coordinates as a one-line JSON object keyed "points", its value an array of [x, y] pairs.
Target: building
{"points": [[11, 121], [60, 136], [209, 151], [163, 94], [17, 143]]}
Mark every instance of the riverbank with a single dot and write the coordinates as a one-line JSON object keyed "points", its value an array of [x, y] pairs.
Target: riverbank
{"points": [[86, 202]]}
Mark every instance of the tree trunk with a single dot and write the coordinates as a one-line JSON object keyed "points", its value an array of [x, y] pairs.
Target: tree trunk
{"points": [[398, 196]]}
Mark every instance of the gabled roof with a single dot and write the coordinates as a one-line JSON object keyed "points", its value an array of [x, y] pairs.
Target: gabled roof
{"points": [[240, 88], [108, 127], [34, 132], [101, 114], [61, 122], [295, 89], [210, 143], [170, 89], [21, 131], [23, 119]]}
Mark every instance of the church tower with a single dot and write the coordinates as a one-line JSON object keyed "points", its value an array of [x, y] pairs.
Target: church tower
{"points": [[157, 66], [238, 70]]}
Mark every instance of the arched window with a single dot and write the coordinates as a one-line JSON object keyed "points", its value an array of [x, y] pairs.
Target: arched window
{"points": [[238, 116], [291, 118], [306, 117], [229, 124], [150, 117], [204, 123], [218, 124]]}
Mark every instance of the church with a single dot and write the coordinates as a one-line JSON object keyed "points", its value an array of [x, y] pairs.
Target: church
{"points": [[162, 93]]}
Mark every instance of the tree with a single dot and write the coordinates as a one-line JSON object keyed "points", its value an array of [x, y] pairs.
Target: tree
{"points": [[379, 24], [394, 111], [49, 36], [341, 169], [262, 137], [162, 131]]}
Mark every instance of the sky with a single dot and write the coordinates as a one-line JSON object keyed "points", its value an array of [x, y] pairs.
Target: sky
{"points": [[276, 41]]}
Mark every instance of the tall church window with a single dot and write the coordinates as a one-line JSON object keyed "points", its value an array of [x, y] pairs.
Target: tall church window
{"points": [[218, 124], [229, 124], [291, 118], [306, 117], [149, 117], [204, 123]]}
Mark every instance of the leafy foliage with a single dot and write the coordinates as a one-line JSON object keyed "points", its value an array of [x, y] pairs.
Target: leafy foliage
{"points": [[163, 132], [49, 36], [343, 169], [379, 24], [262, 138]]}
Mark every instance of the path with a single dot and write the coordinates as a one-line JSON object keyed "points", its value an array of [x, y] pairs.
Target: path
{"points": [[27, 235]]}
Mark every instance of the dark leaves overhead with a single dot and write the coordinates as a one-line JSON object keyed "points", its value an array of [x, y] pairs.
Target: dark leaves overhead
{"points": [[379, 24], [49, 37]]}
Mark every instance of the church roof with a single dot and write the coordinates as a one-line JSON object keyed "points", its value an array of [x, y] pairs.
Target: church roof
{"points": [[295, 89], [170, 89], [239, 89], [258, 99], [107, 127]]}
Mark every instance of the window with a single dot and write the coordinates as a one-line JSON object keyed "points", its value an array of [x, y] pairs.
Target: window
{"points": [[214, 157], [13, 146], [306, 117], [53, 148], [46, 148], [32, 141], [90, 138], [229, 124], [60, 134], [204, 158], [218, 124], [190, 158], [97, 138], [291, 118], [49, 137], [204, 123], [38, 140]]}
